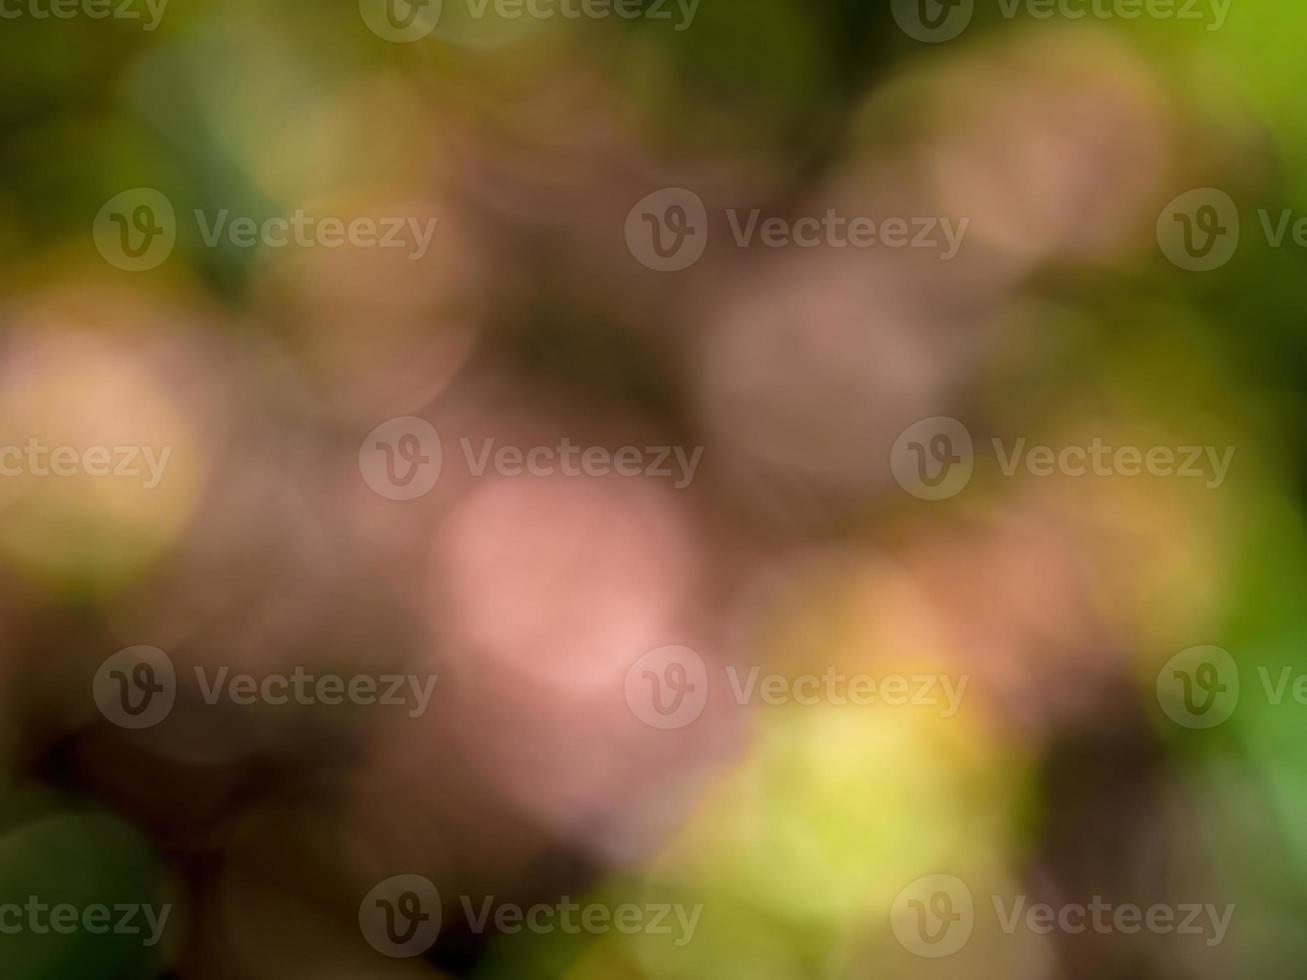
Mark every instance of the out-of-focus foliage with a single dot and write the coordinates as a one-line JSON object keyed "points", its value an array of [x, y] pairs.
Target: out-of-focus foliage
{"points": [[528, 320]]}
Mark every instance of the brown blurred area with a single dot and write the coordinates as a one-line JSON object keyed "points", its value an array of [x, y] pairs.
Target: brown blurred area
{"points": [[508, 356]]}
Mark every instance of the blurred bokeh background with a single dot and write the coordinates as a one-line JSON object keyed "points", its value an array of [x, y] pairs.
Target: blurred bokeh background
{"points": [[793, 371]]}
